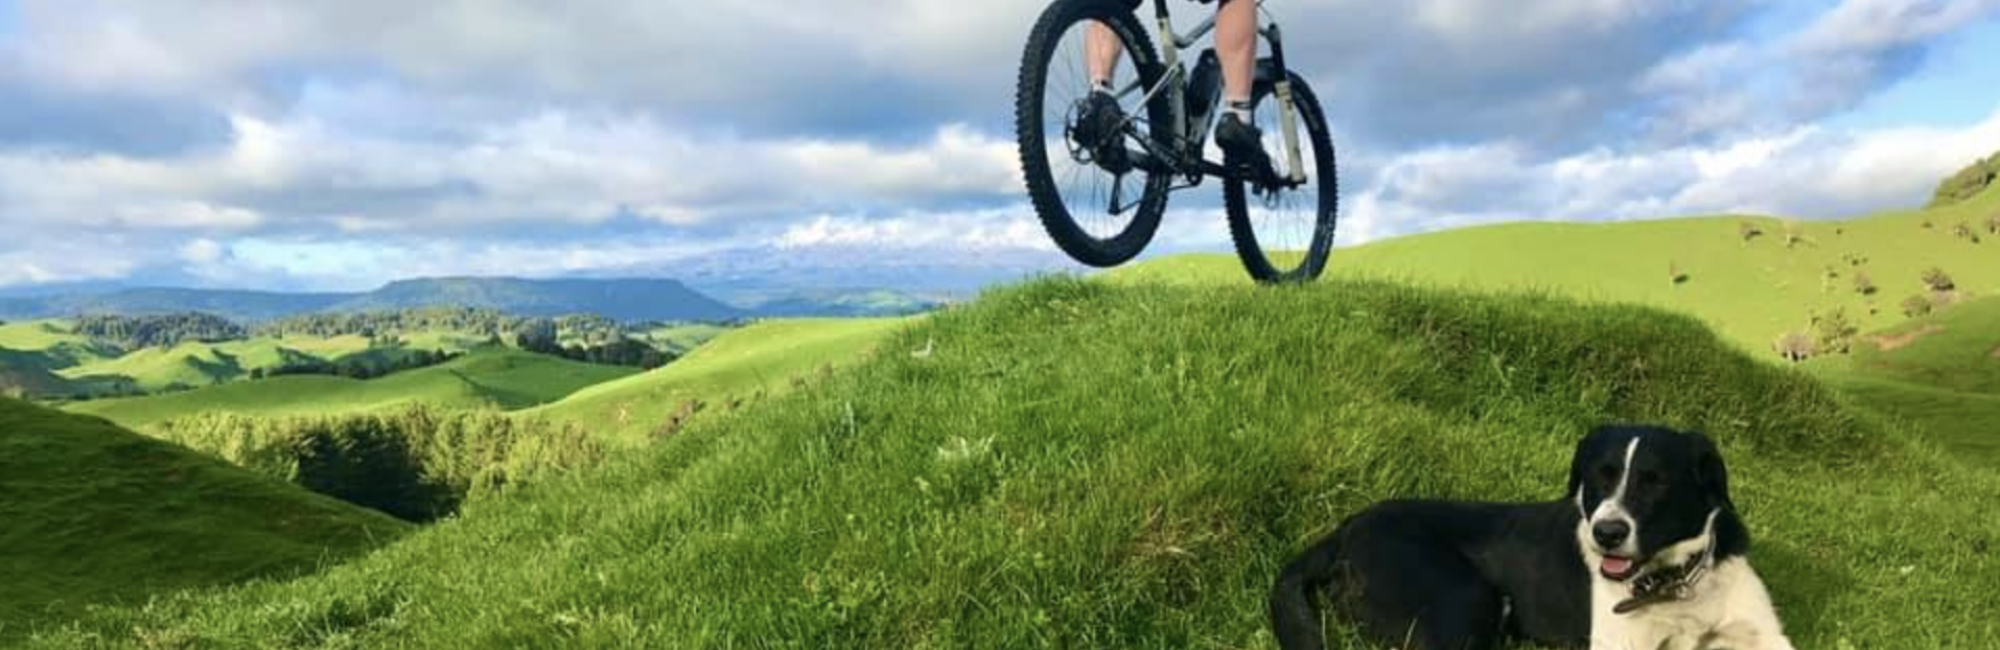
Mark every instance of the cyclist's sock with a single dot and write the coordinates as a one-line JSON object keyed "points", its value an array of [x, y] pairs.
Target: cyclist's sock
{"points": [[1102, 86], [1239, 107]]}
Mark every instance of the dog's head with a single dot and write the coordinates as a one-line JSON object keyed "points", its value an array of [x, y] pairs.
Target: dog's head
{"points": [[1650, 497]]}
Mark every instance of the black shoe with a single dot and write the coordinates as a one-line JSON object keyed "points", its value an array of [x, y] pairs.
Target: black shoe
{"points": [[1100, 130], [1242, 147]]}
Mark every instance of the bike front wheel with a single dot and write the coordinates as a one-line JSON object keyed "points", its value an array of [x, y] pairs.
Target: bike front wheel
{"points": [[1284, 233], [1092, 196]]}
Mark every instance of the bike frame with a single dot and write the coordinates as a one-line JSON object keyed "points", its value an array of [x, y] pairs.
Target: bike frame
{"points": [[1186, 159]]}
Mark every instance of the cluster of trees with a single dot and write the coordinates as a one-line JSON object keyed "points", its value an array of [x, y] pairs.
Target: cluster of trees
{"points": [[614, 351], [582, 337], [1828, 333], [1964, 231], [418, 464], [475, 321], [1833, 332], [369, 365], [1968, 182], [134, 332]]}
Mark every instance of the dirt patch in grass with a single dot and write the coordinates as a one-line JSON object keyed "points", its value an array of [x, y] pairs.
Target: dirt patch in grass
{"points": [[1889, 342]]}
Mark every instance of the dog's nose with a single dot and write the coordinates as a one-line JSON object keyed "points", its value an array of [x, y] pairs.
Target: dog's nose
{"points": [[1611, 532]]}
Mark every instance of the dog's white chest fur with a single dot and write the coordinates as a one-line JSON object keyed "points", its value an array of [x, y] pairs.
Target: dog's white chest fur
{"points": [[1728, 609]]}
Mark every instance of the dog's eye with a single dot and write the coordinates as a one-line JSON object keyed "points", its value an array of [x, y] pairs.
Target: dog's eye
{"points": [[1607, 473], [1649, 478]]}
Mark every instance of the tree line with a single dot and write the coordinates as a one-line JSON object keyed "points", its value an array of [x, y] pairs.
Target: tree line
{"points": [[580, 337], [167, 330]]}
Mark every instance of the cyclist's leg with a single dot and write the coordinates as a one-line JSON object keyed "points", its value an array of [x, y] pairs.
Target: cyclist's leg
{"points": [[1102, 51], [1241, 141], [1236, 46]]}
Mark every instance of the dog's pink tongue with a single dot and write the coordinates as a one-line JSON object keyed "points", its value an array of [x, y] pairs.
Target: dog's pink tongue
{"points": [[1617, 566]]}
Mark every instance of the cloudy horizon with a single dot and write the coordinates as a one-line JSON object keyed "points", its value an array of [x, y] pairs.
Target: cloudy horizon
{"points": [[276, 144]]}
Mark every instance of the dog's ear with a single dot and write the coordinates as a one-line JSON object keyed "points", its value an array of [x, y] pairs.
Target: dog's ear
{"points": [[1709, 471], [1579, 462]]}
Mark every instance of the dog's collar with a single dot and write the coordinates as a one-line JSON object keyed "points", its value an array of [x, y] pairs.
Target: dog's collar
{"points": [[1669, 585]]}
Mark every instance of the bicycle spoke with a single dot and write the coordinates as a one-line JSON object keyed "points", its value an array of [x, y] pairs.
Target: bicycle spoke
{"points": [[1286, 219], [1087, 191]]}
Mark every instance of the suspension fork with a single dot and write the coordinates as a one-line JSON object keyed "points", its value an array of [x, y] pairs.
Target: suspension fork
{"points": [[1288, 115]]}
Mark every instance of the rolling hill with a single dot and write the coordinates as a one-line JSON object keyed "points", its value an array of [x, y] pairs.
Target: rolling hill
{"points": [[851, 303], [764, 357], [504, 379], [628, 300], [1750, 291], [1080, 464], [97, 515], [683, 338], [33, 352], [1939, 372], [623, 299], [49, 345], [199, 364], [241, 306]]}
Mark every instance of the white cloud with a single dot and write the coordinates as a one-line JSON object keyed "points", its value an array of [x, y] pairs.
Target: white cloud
{"points": [[1807, 171], [203, 251], [1011, 228], [551, 168], [1876, 25]]}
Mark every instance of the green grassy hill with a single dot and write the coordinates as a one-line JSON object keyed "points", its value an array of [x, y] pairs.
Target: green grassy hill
{"points": [[48, 345], [684, 338], [495, 378], [1750, 292], [33, 352], [1940, 372], [196, 364], [1957, 349], [92, 514], [184, 365], [739, 363], [1078, 464]]}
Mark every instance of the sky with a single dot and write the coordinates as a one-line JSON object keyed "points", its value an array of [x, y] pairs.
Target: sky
{"points": [[295, 144]]}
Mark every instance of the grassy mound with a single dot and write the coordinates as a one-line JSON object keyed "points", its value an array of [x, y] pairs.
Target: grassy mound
{"points": [[1082, 465], [197, 364], [52, 343], [1750, 291], [416, 463], [91, 514], [684, 338], [1957, 349], [492, 378], [1940, 372], [32, 353], [737, 364]]}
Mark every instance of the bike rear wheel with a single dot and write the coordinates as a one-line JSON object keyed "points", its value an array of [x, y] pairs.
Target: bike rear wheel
{"points": [[1102, 213], [1285, 236]]}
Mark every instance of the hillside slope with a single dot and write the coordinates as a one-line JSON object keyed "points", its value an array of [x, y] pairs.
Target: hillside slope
{"points": [[1940, 372], [93, 514], [740, 363], [1751, 291], [624, 299], [493, 378], [618, 299], [1080, 465]]}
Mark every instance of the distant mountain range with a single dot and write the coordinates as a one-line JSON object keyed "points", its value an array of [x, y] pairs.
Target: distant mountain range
{"points": [[624, 299]]}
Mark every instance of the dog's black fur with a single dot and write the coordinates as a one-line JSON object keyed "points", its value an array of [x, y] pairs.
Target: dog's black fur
{"points": [[1441, 575]]}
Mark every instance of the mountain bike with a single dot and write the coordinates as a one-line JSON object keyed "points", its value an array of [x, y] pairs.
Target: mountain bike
{"points": [[1101, 197]]}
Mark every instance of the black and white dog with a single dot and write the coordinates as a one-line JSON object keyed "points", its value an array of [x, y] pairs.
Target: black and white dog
{"points": [[1645, 552]]}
